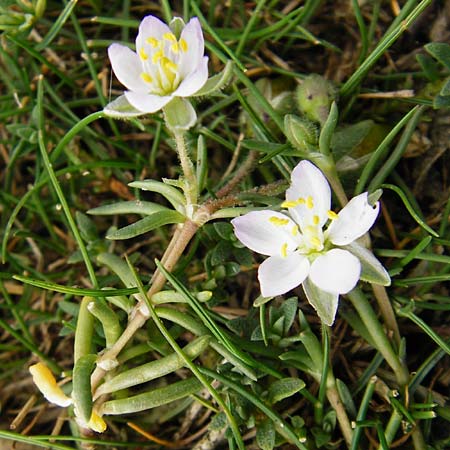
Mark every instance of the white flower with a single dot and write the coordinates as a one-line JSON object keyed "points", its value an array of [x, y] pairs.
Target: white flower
{"points": [[301, 251], [166, 64]]}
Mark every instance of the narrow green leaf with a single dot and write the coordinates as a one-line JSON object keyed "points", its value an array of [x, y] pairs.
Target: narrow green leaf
{"points": [[265, 435], [153, 398], [81, 394], [154, 369], [130, 207], [172, 194], [149, 223], [284, 388]]}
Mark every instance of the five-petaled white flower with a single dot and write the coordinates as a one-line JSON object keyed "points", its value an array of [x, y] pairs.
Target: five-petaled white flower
{"points": [[166, 63], [301, 251]]}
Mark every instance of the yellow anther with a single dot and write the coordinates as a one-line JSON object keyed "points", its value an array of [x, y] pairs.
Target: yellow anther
{"points": [[278, 221], [294, 230], [170, 37], [300, 201], [183, 45], [146, 77], [152, 41], [284, 250], [142, 54], [157, 56], [175, 47], [332, 215], [316, 219], [289, 204], [309, 202]]}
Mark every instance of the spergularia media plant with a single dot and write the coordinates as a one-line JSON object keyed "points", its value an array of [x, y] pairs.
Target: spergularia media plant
{"points": [[310, 244]]}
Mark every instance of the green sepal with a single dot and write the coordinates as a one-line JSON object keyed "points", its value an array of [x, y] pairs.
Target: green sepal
{"points": [[81, 394], [176, 25], [217, 82], [372, 270], [153, 398], [149, 223], [172, 194], [120, 108], [323, 302], [179, 114], [130, 207], [301, 133], [326, 134]]}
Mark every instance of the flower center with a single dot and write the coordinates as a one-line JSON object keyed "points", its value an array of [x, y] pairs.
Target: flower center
{"points": [[161, 62]]}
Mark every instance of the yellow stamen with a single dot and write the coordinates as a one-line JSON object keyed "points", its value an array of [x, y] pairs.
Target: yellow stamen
{"points": [[183, 45], [316, 242], [168, 64], [294, 230], [175, 47], [142, 54], [332, 215], [170, 37], [288, 204], [152, 41], [316, 220], [284, 250], [157, 56], [146, 77], [309, 202], [277, 221]]}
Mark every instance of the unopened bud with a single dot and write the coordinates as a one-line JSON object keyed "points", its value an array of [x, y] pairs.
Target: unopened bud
{"points": [[315, 96]]}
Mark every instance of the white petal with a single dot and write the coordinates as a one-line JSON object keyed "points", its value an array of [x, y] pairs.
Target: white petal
{"points": [[46, 383], [151, 27], [308, 182], [194, 81], [337, 271], [262, 232], [148, 103], [325, 303], [354, 220], [127, 67], [193, 36], [279, 275]]}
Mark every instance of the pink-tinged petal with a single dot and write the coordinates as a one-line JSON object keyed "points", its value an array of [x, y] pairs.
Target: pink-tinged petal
{"points": [[325, 303], [127, 67], [191, 56], [267, 232], [337, 271], [147, 103], [309, 196], [278, 275], [150, 27], [194, 81], [354, 220]]}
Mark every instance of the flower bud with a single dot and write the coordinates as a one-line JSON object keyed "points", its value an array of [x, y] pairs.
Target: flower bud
{"points": [[301, 133], [315, 96]]}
